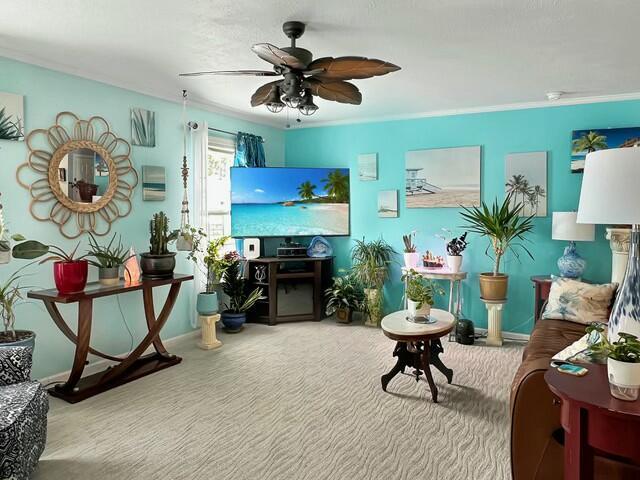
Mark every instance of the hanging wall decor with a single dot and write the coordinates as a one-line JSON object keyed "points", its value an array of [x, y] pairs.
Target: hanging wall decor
{"points": [[526, 181], [143, 127], [79, 175], [388, 203], [153, 183], [368, 167], [185, 240], [11, 116], [586, 141]]}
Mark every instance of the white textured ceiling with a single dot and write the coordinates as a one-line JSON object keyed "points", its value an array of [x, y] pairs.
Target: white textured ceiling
{"points": [[454, 54]]}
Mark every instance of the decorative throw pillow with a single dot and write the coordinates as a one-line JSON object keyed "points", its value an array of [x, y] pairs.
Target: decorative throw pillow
{"points": [[580, 302]]}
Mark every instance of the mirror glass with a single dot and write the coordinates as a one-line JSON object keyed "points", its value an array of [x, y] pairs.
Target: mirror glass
{"points": [[83, 175]]}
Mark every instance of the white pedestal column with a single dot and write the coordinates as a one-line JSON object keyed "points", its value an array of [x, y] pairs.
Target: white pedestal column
{"points": [[494, 311], [209, 340], [619, 239]]}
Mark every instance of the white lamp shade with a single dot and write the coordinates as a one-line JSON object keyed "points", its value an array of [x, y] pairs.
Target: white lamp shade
{"points": [[610, 191], [565, 227]]}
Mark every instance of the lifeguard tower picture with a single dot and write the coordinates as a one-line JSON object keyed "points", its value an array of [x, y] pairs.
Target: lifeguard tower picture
{"points": [[443, 177]]}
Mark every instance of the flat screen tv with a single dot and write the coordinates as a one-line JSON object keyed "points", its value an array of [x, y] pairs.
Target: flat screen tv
{"points": [[289, 202]]}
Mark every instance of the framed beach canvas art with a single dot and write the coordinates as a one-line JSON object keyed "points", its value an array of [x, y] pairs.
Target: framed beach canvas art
{"points": [[443, 177], [153, 183], [585, 141], [368, 167], [388, 203], [526, 181], [143, 127], [11, 116]]}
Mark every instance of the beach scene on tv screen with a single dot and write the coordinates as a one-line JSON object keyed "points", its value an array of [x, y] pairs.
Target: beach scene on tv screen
{"points": [[281, 202]]}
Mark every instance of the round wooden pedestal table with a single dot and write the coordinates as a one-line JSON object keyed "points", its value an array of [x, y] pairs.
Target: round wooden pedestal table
{"points": [[418, 346]]}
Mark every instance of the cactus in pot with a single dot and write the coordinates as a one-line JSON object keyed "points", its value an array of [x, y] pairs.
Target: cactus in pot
{"points": [[159, 262]]}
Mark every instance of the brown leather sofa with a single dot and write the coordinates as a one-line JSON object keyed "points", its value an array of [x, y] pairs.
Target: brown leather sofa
{"points": [[537, 437]]}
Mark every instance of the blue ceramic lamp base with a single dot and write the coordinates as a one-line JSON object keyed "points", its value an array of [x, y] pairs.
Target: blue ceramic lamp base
{"points": [[571, 264], [625, 315]]}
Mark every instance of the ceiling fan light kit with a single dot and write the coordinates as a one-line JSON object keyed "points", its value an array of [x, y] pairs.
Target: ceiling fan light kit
{"points": [[304, 77]]}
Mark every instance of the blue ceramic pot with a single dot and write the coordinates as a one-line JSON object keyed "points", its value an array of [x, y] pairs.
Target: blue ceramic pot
{"points": [[571, 265], [207, 303], [233, 322]]}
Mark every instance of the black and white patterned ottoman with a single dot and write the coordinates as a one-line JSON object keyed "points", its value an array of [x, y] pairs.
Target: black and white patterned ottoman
{"points": [[23, 415]]}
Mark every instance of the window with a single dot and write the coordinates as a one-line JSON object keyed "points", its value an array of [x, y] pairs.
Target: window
{"points": [[219, 160]]}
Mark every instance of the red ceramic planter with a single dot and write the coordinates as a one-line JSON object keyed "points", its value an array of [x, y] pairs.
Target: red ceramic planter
{"points": [[70, 277]]}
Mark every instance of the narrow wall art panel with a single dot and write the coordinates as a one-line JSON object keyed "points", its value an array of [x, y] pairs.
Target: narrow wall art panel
{"points": [[143, 127], [388, 203], [526, 181], [368, 167], [443, 177], [11, 116], [153, 183]]}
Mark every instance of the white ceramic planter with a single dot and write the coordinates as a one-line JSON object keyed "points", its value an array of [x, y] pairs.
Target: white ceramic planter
{"points": [[412, 307], [411, 259], [5, 257], [454, 262], [624, 379]]}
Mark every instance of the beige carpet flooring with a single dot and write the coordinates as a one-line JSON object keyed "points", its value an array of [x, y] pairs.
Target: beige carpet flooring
{"points": [[300, 401]]}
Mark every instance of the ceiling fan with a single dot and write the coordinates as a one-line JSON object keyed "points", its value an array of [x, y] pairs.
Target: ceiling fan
{"points": [[305, 77]]}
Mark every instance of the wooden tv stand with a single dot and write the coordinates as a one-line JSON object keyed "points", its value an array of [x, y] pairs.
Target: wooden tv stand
{"points": [[317, 271]]}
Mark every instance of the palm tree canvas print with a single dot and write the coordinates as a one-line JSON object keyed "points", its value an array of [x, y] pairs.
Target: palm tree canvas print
{"points": [[11, 117], [143, 127], [388, 203], [587, 141], [443, 177], [368, 167], [526, 175]]}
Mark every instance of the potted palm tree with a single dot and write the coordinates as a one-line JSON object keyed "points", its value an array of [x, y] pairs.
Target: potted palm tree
{"points": [[108, 259], [505, 229], [69, 272], [234, 285], [344, 297], [371, 262], [11, 294]]}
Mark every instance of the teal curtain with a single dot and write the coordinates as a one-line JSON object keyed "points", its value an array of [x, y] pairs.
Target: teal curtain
{"points": [[249, 151]]}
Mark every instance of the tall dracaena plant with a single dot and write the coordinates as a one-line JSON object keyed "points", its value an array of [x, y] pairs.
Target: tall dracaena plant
{"points": [[502, 224], [371, 262]]}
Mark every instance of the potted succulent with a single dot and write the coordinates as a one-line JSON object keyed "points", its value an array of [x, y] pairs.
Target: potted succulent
{"points": [[411, 256], [5, 239], [505, 228], [216, 264], [420, 294], [108, 259], [234, 315], [11, 293], [69, 272], [623, 362], [344, 297], [455, 247], [371, 262], [159, 262]]}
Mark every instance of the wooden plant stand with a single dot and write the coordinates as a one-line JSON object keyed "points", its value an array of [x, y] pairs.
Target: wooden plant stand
{"points": [[128, 368]]}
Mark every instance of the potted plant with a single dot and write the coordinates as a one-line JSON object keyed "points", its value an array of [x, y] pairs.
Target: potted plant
{"points": [[5, 239], [234, 315], [108, 259], [420, 294], [505, 228], [371, 262], [343, 298], [411, 256], [159, 262], [455, 247], [11, 293], [69, 272], [623, 362], [216, 264]]}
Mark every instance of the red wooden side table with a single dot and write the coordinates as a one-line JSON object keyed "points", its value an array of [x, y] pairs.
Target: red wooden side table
{"points": [[594, 422]]}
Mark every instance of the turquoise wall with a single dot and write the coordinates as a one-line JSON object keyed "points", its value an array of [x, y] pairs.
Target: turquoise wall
{"points": [[499, 133], [48, 92]]}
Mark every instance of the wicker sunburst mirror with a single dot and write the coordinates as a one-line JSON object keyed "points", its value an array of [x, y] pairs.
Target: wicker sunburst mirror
{"points": [[82, 176]]}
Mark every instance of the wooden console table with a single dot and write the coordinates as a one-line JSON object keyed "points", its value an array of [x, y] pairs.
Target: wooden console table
{"points": [[128, 368]]}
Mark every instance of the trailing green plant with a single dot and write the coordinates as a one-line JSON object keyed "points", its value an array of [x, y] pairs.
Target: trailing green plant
{"points": [[112, 255], [30, 249], [371, 262], [420, 289], [345, 292], [216, 262], [502, 224], [234, 286], [9, 130], [409, 246], [194, 236], [11, 293], [625, 349], [159, 236]]}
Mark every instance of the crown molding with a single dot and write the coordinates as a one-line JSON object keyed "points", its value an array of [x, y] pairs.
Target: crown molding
{"points": [[172, 97], [486, 109]]}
